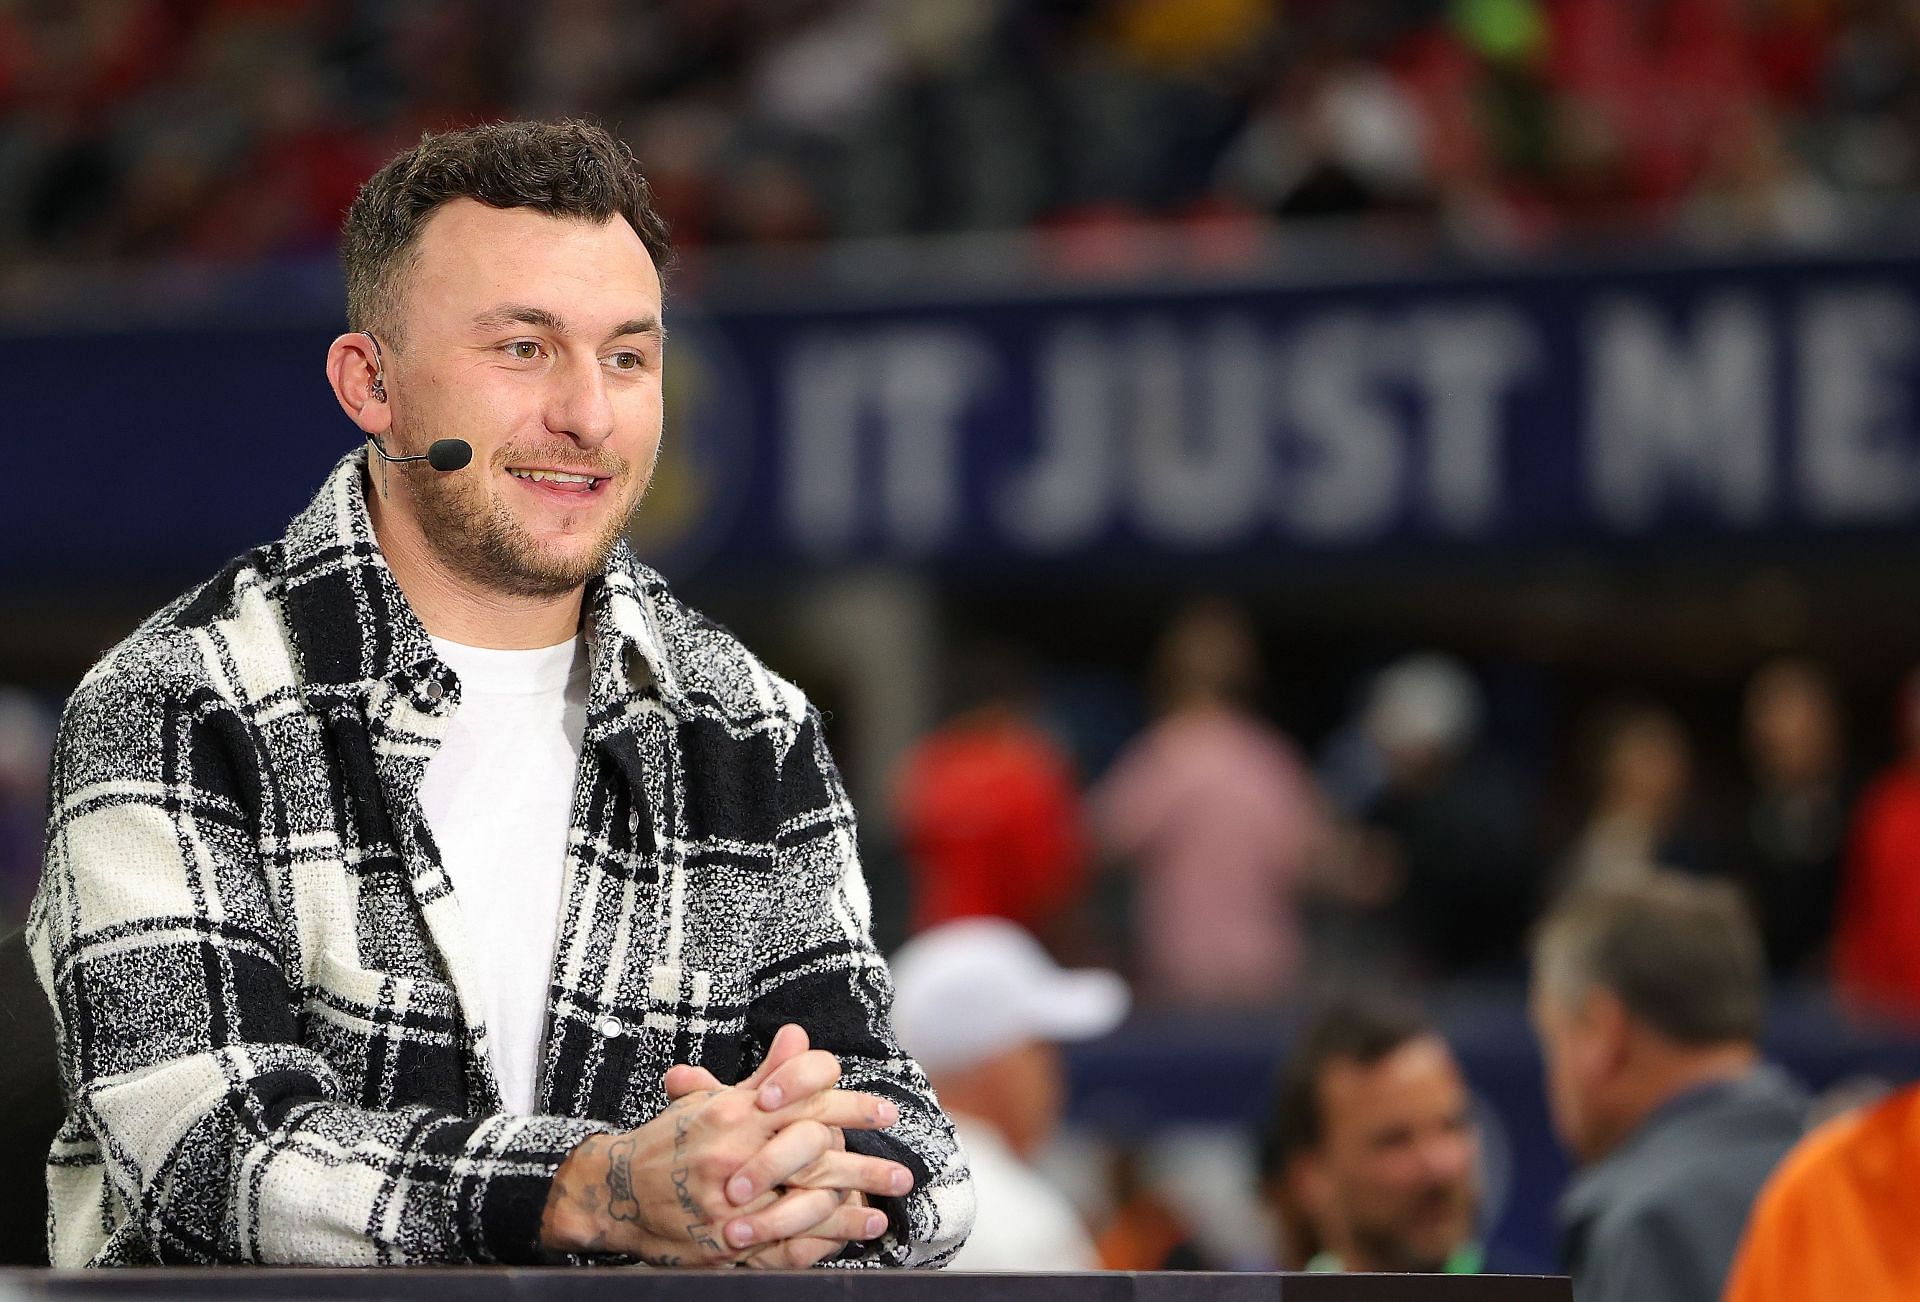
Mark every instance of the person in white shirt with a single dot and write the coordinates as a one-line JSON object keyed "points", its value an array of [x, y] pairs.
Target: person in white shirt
{"points": [[983, 1008]]}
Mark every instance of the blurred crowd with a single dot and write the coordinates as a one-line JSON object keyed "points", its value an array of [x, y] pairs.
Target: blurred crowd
{"points": [[235, 129], [1703, 1171], [1219, 864], [1218, 861]]}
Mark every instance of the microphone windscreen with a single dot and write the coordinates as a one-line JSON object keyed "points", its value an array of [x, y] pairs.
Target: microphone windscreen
{"points": [[449, 454]]}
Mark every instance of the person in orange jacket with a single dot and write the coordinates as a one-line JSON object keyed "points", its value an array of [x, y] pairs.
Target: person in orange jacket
{"points": [[1838, 1218]]}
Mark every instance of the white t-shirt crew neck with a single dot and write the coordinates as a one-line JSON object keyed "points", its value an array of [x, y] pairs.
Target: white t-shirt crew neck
{"points": [[498, 797]]}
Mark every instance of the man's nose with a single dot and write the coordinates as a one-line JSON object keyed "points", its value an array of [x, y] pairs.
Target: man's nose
{"points": [[581, 407], [1448, 1157]]}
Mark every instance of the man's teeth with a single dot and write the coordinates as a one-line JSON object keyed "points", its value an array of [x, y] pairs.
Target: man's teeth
{"points": [[553, 476]]}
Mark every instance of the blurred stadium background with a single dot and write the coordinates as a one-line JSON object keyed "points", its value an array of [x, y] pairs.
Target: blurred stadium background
{"points": [[1570, 347]]}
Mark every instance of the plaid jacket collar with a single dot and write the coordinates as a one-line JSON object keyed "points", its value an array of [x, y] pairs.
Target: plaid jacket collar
{"points": [[384, 668], [334, 537]]}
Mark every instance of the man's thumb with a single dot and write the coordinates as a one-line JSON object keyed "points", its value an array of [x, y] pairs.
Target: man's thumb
{"points": [[789, 1042]]}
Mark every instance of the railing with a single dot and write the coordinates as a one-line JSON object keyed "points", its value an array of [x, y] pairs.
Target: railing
{"points": [[481, 1285]]}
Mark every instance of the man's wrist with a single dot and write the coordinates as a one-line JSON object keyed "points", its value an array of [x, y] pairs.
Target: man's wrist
{"points": [[574, 1220]]}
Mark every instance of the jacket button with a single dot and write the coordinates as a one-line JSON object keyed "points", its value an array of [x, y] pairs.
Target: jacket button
{"points": [[612, 1027], [434, 691]]}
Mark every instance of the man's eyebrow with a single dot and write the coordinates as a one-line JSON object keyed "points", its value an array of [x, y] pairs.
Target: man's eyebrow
{"points": [[507, 314], [640, 325]]}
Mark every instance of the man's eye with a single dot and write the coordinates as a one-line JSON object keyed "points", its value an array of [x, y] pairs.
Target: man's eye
{"points": [[625, 361], [524, 350]]}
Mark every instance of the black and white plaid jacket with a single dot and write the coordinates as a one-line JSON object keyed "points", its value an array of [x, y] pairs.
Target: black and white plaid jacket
{"points": [[257, 963]]}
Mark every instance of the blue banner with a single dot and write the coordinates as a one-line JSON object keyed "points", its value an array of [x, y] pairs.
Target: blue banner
{"points": [[1586, 404]]}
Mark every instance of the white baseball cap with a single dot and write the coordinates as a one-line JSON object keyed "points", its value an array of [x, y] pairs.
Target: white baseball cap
{"points": [[967, 990], [1424, 701]]}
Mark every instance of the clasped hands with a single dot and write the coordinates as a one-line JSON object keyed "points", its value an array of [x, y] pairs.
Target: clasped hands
{"points": [[754, 1174]]}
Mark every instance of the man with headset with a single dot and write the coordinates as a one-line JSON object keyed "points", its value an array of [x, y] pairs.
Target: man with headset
{"points": [[431, 885]]}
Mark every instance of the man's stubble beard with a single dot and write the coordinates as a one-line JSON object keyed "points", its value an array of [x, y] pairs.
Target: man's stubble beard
{"points": [[483, 542], [1387, 1243]]}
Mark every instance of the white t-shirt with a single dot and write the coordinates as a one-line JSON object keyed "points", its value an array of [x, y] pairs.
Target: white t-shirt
{"points": [[498, 797], [1020, 1222]]}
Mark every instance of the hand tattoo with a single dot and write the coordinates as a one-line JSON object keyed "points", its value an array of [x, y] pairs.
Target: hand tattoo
{"points": [[583, 1199], [621, 1204], [699, 1229]]}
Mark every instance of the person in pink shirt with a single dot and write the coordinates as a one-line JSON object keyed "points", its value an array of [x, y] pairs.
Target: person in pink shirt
{"points": [[1218, 818]]}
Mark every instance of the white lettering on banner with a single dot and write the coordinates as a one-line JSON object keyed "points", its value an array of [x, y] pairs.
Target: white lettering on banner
{"points": [[1857, 359], [1667, 419], [1347, 474], [825, 390], [1197, 433], [1205, 434], [1463, 363], [910, 387], [1192, 432], [927, 378], [1067, 496]]}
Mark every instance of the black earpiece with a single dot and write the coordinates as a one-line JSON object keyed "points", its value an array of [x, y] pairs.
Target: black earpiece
{"points": [[379, 369]]}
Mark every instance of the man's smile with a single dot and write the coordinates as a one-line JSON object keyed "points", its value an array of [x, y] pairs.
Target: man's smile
{"points": [[570, 483]]}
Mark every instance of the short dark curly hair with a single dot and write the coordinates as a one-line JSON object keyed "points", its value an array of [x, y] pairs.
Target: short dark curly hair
{"points": [[562, 169]]}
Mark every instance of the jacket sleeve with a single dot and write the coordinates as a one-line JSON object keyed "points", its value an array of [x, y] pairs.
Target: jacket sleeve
{"points": [[823, 972], [200, 1127]]}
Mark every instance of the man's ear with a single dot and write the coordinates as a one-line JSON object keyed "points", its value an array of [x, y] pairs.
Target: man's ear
{"points": [[1610, 1031], [1311, 1184], [353, 369]]}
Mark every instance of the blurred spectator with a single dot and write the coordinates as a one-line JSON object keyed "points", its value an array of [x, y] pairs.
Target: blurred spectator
{"points": [[1369, 1158], [1869, 88], [1837, 1219], [1642, 769], [1218, 820], [1755, 190], [1794, 832], [26, 744], [1144, 1232], [982, 1008], [1649, 995], [1658, 77], [1341, 141], [1877, 942], [1459, 837], [988, 808]]}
